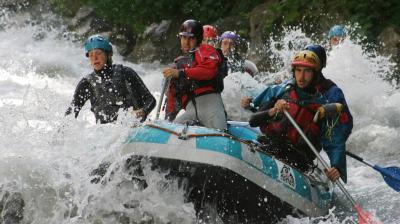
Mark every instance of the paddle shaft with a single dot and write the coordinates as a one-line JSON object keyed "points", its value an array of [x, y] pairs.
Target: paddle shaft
{"points": [[163, 88], [359, 159], [324, 163]]}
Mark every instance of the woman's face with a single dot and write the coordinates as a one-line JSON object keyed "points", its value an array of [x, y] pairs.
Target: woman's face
{"points": [[227, 46], [98, 58]]}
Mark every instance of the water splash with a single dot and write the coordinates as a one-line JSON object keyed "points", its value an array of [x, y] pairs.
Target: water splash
{"points": [[374, 104], [48, 157]]}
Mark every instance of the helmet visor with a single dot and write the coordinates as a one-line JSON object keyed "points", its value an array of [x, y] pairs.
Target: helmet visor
{"points": [[186, 34]]}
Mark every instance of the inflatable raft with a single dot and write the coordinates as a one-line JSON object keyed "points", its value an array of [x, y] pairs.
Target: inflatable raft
{"points": [[231, 171]]}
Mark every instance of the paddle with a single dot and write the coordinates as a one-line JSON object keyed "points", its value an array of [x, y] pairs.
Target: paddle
{"points": [[364, 217], [391, 175], [163, 88]]}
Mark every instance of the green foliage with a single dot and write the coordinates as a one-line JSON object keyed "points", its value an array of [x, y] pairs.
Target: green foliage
{"points": [[313, 16], [140, 13], [66, 7], [372, 15]]}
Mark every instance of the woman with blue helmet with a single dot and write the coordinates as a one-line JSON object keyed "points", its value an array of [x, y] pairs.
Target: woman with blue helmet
{"points": [[336, 34], [110, 87]]}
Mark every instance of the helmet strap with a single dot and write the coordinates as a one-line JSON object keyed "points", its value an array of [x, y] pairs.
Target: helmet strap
{"points": [[109, 59], [317, 78]]}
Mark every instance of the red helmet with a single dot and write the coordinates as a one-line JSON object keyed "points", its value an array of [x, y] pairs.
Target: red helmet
{"points": [[192, 28], [210, 32]]}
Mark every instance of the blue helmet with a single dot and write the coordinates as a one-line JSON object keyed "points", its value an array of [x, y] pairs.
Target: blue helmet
{"points": [[97, 42], [337, 31], [230, 35], [319, 51]]}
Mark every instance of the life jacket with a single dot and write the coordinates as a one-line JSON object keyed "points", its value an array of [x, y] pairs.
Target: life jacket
{"points": [[110, 95], [302, 111], [176, 92], [181, 90], [218, 81]]}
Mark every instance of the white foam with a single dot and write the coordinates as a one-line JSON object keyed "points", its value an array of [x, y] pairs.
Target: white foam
{"points": [[48, 157]]}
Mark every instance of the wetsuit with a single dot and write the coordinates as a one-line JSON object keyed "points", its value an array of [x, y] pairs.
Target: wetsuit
{"points": [[110, 89]]}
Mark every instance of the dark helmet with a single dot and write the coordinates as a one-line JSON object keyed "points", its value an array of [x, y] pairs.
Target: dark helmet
{"points": [[319, 51], [97, 42], [192, 28]]}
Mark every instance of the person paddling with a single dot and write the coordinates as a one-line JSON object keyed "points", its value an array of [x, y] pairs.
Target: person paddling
{"points": [[303, 97], [110, 87], [196, 81]]}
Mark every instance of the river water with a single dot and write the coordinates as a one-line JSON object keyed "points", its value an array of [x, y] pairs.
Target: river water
{"points": [[47, 157]]}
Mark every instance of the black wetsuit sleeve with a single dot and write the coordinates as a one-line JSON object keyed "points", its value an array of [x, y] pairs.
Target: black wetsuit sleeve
{"points": [[258, 118], [261, 117], [142, 95], [83, 92]]}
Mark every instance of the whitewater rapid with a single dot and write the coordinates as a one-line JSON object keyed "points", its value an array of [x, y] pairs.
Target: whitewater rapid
{"points": [[47, 157]]}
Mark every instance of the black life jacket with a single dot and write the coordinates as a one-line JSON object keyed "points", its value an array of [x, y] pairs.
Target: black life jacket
{"points": [[182, 85], [177, 88]]}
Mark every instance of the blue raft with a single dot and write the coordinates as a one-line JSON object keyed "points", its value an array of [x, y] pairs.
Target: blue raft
{"points": [[247, 185]]}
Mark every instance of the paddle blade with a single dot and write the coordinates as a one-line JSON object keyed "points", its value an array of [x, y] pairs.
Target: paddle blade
{"points": [[365, 217], [391, 175]]}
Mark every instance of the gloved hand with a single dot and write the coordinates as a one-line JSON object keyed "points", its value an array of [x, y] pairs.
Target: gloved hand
{"points": [[330, 110]]}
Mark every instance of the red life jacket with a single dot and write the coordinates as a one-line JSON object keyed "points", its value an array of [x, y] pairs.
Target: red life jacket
{"points": [[206, 73], [303, 115], [203, 75]]}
